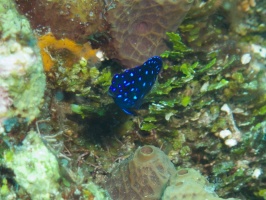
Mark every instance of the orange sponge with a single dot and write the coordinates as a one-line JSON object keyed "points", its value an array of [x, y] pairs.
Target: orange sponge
{"points": [[49, 42]]}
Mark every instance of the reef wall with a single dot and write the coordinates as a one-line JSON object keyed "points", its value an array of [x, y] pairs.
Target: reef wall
{"points": [[21, 70]]}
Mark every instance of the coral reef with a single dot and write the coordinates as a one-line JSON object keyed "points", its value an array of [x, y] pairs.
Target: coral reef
{"points": [[21, 70], [36, 168], [143, 176], [138, 28], [207, 108], [189, 184]]}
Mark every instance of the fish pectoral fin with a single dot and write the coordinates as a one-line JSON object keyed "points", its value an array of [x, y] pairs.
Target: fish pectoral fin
{"points": [[111, 94], [130, 112]]}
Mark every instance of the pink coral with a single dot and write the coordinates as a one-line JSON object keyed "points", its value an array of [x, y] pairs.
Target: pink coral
{"points": [[15, 59], [5, 101]]}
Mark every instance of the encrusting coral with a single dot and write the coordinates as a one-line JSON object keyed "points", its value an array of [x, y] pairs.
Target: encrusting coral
{"points": [[138, 27], [21, 72], [36, 168]]}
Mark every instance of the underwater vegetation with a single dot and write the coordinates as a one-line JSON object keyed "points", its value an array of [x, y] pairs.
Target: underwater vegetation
{"points": [[199, 123]]}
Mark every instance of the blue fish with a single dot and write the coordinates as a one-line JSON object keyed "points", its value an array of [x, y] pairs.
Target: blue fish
{"points": [[130, 87]]}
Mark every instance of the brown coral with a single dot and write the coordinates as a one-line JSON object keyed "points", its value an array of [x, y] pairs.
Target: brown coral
{"points": [[75, 20], [143, 176], [138, 27]]}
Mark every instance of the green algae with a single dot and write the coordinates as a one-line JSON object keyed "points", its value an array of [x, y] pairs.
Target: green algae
{"points": [[261, 193], [104, 79], [220, 86], [72, 79], [82, 78], [147, 126], [208, 66], [185, 151], [91, 189], [87, 110], [185, 101], [179, 48], [4, 191]]}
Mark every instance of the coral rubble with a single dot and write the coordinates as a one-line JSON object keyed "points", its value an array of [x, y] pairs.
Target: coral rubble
{"points": [[138, 27], [35, 167]]}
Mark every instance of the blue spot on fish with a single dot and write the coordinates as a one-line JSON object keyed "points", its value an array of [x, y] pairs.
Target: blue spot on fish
{"points": [[134, 84]]}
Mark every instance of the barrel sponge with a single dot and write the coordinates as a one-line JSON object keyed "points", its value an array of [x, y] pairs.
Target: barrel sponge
{"points": [[144, 175], [189, 184], [138, 27]]}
